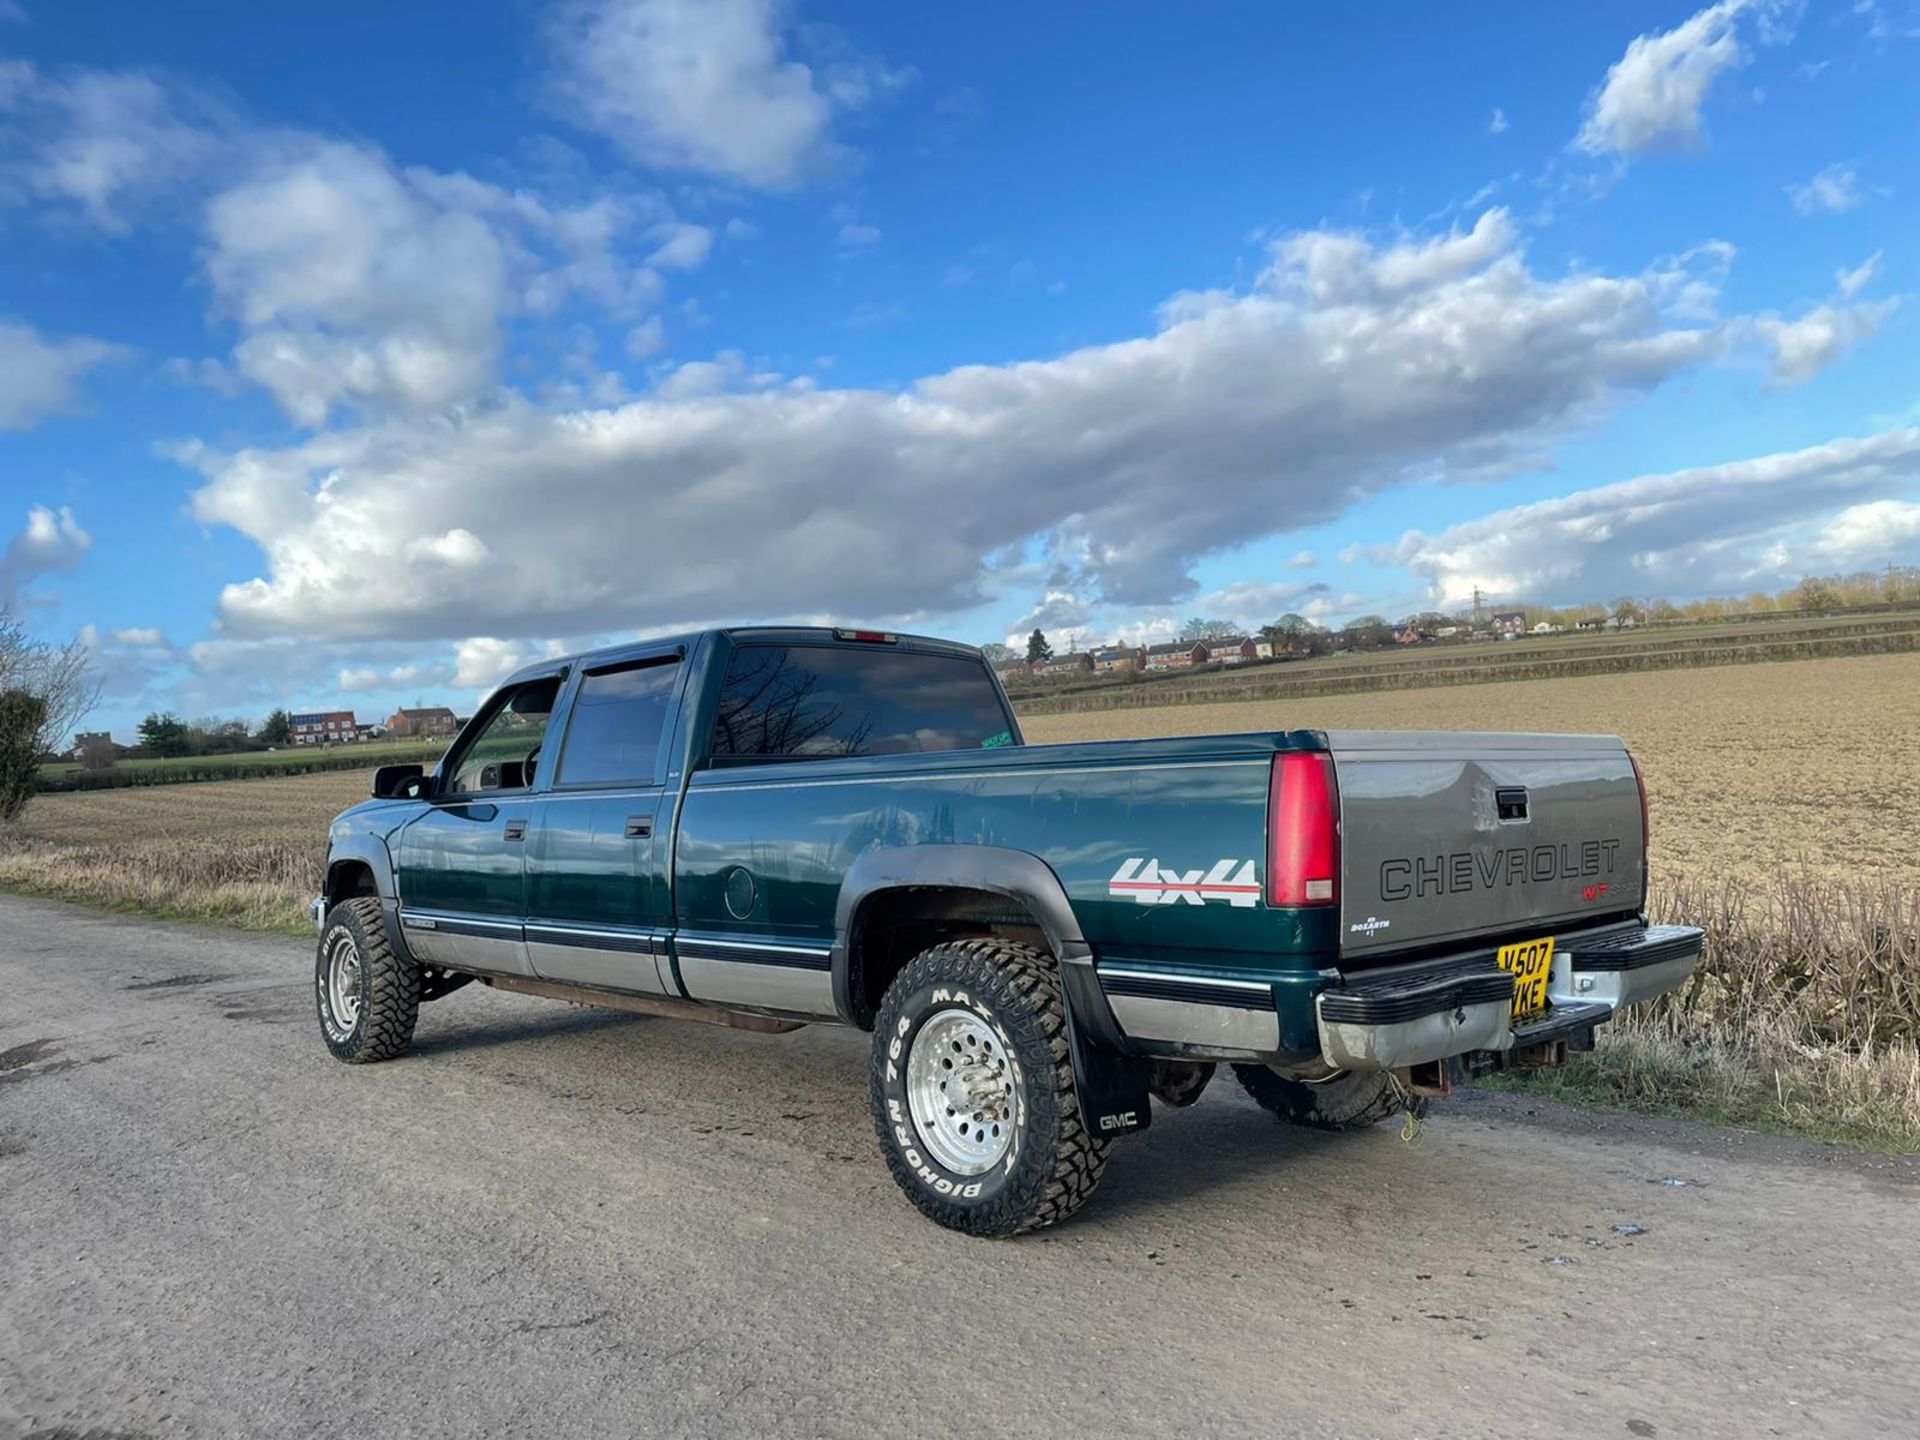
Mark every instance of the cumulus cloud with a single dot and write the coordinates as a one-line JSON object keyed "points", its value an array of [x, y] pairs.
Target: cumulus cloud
{"points": [[1835, 190], [99, 146], [1652, 96], [710, 85], [1498, 124], [1870, 532], [356, 281], [40, 377], [52, 544], [1703, 531], [1803, 347], [1347, 368], [1852, 282]]}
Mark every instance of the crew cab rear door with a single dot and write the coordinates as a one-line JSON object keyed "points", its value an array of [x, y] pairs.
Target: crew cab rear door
{"points": [[1455, 838]]}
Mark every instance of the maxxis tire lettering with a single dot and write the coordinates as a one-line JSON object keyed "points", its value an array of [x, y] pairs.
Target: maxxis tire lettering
{"points": [[1052, 1162]]}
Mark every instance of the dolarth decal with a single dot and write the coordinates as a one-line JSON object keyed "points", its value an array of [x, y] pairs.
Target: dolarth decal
{"points": [[1147, 882]]}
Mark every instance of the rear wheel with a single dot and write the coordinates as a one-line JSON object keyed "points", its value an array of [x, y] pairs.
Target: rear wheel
{"points": [[367, 994], [972, 1090], [1351, 1100]]}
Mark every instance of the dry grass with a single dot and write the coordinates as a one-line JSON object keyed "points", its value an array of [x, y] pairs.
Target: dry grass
{"points": [[1804, 1016]]}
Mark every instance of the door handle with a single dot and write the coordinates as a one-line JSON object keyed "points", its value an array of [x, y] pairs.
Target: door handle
{"points": [[516, 830], [639, 827]]}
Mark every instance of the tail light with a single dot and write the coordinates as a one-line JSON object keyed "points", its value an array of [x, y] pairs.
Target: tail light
{"points": [[1303, 831]]}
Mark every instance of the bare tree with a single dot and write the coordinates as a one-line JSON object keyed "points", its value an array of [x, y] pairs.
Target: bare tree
{"points": [[51, 689]]}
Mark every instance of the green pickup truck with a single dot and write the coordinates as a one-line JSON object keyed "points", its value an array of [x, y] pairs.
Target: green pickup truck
{"points": [[766, 828]]}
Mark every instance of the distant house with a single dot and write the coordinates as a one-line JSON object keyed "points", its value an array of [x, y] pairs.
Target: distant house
{"points": [[1544, 628], [86, 739], [1011, 670], [1116, 660], [1176, 655], [1234, 650], [1509, 624], [1074, 662], [427, 723], [325, 727]]}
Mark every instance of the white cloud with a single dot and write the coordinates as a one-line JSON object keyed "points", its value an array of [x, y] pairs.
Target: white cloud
{"points": [[1711, 530], [855, 237], [682, 247], [1802, 348], [52, 544], [1869, 533], [40, 377], [1652, 95], [144, 636], [1346, 369], [100, 145], [1303, 560], [1851, 282], [709, 85], [357, 282], [646, 339], [1835, 190], [1498, 124]]}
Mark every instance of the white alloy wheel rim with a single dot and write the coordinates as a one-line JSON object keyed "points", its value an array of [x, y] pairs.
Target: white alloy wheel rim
{"points": [[343, 980], [960, 1092]]}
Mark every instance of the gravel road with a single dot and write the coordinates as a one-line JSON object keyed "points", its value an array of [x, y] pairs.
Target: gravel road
{"points": [[549, 1221]]}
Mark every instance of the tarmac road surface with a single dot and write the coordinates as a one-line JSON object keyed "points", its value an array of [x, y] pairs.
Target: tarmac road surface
{"points": [[556, 1222]]}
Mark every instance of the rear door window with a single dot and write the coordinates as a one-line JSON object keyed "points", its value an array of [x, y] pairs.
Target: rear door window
{"points": [[816, 701], [617, 724]]}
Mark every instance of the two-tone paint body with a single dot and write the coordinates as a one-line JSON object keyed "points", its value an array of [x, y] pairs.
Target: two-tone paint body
{"points": [[775, 887]]}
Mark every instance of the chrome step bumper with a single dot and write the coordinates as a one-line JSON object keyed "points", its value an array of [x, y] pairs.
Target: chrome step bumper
{"points": [[1397, 1021]]}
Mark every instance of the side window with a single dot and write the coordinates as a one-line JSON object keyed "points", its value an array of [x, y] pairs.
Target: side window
{"points": [[505, 754], [806, 701], [618, 720]]}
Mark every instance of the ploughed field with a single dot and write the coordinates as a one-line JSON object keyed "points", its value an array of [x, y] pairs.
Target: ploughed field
{"points": [[1753, 771]]}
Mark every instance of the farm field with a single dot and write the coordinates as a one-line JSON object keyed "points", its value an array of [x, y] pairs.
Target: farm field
{"points": [[1752, 770]]}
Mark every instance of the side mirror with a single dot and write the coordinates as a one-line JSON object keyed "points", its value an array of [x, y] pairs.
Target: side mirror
{"points": [[399, 782]]}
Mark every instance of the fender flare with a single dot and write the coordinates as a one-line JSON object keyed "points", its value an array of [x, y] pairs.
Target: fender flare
{"points": [[1112, 1084], [366, 848]]}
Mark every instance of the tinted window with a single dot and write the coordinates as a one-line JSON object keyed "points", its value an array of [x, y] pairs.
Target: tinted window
{"points": [[616, 724], [503, 755], [810, 700]]}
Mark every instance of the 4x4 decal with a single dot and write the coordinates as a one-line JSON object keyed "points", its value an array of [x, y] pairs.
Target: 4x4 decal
{"points": [[1147, 883]]}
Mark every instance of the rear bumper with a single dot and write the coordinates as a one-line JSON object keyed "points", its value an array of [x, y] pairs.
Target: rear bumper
{"points": [[1388, 1020], [1392, 1024]]}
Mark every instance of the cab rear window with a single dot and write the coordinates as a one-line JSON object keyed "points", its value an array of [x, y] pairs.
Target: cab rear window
{"points": [[813, 701]]}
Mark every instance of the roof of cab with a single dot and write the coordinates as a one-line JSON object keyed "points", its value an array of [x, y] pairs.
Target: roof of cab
{"points": [[753, 634]]}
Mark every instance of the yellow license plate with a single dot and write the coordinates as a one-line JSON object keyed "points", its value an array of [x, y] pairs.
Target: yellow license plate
{"points": [[1531, 962]]}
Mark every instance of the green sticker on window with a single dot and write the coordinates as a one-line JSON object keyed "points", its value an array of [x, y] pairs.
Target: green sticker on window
{"points": [[997, 740]]}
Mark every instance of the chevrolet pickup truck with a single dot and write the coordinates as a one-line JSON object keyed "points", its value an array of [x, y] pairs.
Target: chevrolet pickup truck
{"points": [[766, 828]]}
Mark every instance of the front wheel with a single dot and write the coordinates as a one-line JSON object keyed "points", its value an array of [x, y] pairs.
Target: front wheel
{"points": [[972, 1090], [368, 995]]}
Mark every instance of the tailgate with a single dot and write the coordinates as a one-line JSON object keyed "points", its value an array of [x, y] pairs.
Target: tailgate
{"points": [[1451, 837]]}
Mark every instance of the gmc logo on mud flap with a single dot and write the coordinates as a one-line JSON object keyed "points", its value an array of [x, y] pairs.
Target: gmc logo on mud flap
{"points": [[1125, 1120]]}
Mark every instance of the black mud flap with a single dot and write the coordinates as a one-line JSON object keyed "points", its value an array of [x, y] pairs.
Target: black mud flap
{"points": [[1112, 1087]]}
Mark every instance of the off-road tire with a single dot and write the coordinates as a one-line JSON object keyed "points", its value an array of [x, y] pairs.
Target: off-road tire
{"points": [[388, 988], [1054, 1164], [1353, 1101]]}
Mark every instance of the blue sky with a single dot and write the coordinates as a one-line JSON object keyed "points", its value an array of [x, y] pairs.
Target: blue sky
{"points": [[353, 354]]}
